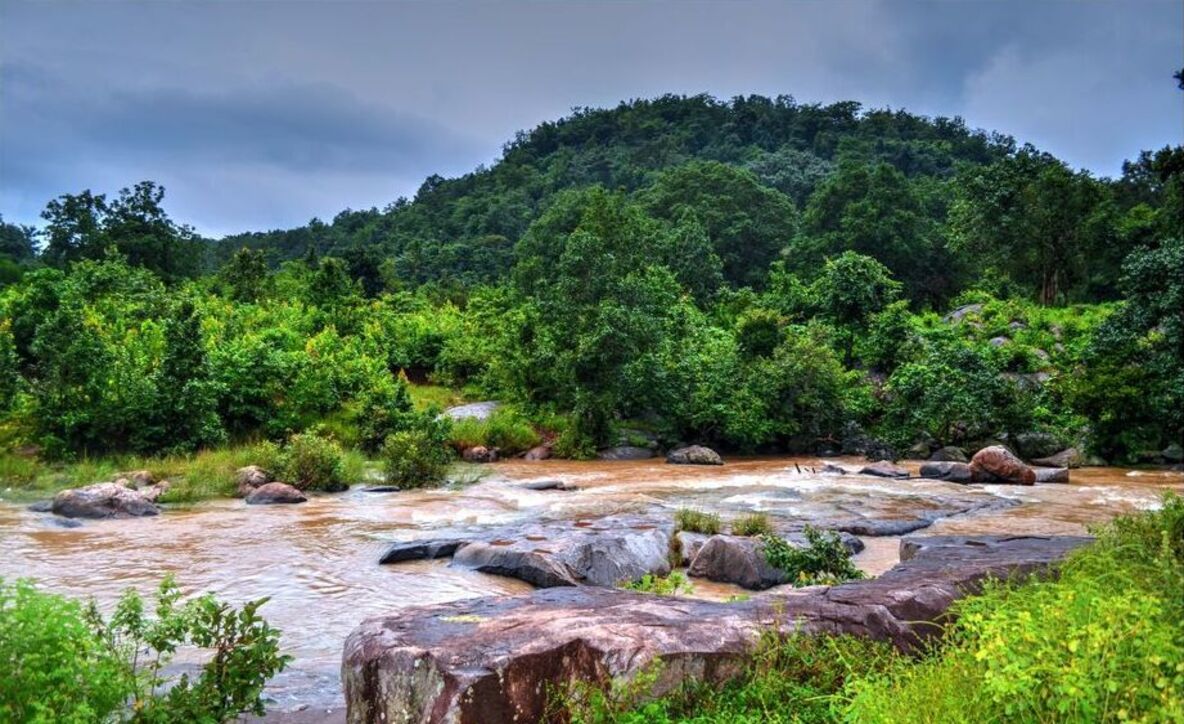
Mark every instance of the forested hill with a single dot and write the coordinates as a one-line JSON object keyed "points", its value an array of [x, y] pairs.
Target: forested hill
{"points": [[776, 153]]}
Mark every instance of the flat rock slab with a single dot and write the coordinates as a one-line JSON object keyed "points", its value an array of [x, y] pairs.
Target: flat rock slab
{"points": [[499, 659], [473, 411]]}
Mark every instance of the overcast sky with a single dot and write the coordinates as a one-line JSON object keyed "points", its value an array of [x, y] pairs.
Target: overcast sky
{"points": [[259, 115]]}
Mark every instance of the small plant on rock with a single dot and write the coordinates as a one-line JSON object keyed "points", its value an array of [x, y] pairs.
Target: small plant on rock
{"points": [[823, 561], [753, 524], [696, 521], [672, 585]]}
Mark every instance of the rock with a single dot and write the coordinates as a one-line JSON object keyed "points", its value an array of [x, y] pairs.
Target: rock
{"points": [[689, 544], [479, 454], [694, 455], [884, 469], [1016, 325], [1029, 445], [961, 312], [625, 452], [606, 552], [999, 341], [538, 452], [382, 489], [1173, 453], [920, 451], [953, 472], [275, 494], [473, 411], [139, 478], [248, 478], [1052, 475], [1067, 458], [997, 464], [733, 559], [103, 500], [418, 550], [41, 506], [153, 492], [499, 659], [949, 454], [832, 469], [546, 485]]}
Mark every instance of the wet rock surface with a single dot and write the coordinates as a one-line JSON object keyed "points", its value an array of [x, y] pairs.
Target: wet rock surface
{"points": [[496, 659], [1051, 475], [953, 472], [949, 454], [996, 464], [694, 455], [275, 494], [1067, 458], [884, 469], [106, 500], [625, 452]]}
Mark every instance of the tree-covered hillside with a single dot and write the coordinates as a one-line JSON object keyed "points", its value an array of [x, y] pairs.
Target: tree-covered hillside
{"points": [[755, 274]]}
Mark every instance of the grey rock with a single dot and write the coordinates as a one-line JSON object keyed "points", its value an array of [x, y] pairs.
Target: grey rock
{"points": [[1173, 453], [884, 469], [275, 494], [1030, 445], [41, 506], [248, 478], [694, 455], [625, 452], [1067, 458], [104, 500], [419, 550], [382, 489], [961, 312], [472, 411], [949, 454], [1052, 475], [953, 472], [737, 560]]}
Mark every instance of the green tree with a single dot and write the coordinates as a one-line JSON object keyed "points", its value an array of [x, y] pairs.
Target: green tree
{"points": [[245, 275], [188, 410]]}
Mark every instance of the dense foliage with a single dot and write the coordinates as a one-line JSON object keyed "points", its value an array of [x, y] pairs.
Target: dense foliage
{"points": [[755, 274], [66, 663]]}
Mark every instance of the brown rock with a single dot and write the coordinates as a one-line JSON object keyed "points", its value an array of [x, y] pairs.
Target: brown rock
{"points": [[498, 659], [275, 494], [1051, 475], [479, 454], [539, 452], [996, 464], [738, 560], [694, 455], [1067, 458], [248, 478]]}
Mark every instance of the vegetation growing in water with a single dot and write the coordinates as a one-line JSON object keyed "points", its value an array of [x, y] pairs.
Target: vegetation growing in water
{"points": [[823, 560]]}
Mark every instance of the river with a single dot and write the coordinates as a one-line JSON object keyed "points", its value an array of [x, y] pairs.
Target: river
{"points": [[318, 561]]}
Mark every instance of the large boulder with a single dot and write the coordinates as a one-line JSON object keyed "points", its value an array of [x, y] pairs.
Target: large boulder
{"points": [[419, 550], [625, 452], [1070, 457], [500, 659], [275, 494], [248, 478], [1030, 445], [473, 411], [962, 312], [949, 454], [949, 471], [1052, 475], [738, 560], [996, 464], [607, 552], [884, 469], [694, 455], [105, 500], [1173, 453]]}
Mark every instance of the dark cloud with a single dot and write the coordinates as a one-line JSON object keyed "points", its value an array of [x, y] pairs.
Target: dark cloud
{"points": [[263, 114]]}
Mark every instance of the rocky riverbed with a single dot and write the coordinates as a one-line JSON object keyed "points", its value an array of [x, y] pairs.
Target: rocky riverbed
{"points": [[319, 561]]}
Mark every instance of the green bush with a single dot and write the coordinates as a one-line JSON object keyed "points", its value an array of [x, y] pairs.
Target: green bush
{"points": [[416, 458], [672, 585], [66, 664], [696, 521], [752, 524], [311, 461], [824, 559], [53, 666]]}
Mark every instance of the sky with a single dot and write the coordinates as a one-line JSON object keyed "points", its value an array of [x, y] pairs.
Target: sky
{"points": [[264, 114]]}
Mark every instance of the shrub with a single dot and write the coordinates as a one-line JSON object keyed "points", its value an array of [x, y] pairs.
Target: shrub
{"points": [[752, 524], [416, 458], [64, 663], [671, 585], [53, 666], [696, 521], [824, 559], [311, 461]]}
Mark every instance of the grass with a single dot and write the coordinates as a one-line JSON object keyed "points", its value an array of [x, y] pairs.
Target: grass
{"points": [[506, 429], [753, 524], [696, 521], [437, 396], [1100, 643], [201, 476], [672, 585]]}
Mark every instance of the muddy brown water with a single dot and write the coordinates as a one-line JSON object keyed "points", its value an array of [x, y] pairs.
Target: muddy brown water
{"points": [[318, 561]]}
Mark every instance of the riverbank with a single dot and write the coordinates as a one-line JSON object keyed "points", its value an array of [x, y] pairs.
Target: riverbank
{"points": [[318, 561]]}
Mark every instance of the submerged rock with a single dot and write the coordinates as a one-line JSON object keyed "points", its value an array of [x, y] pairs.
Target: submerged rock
{"points": [[949, 471], [498, 659], [275, 494], [996, 464], [694, 455], [419, 550], [949, 454], [105, 500], [625, 452], [1051, 475], [884, 469], [547, 485]]}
